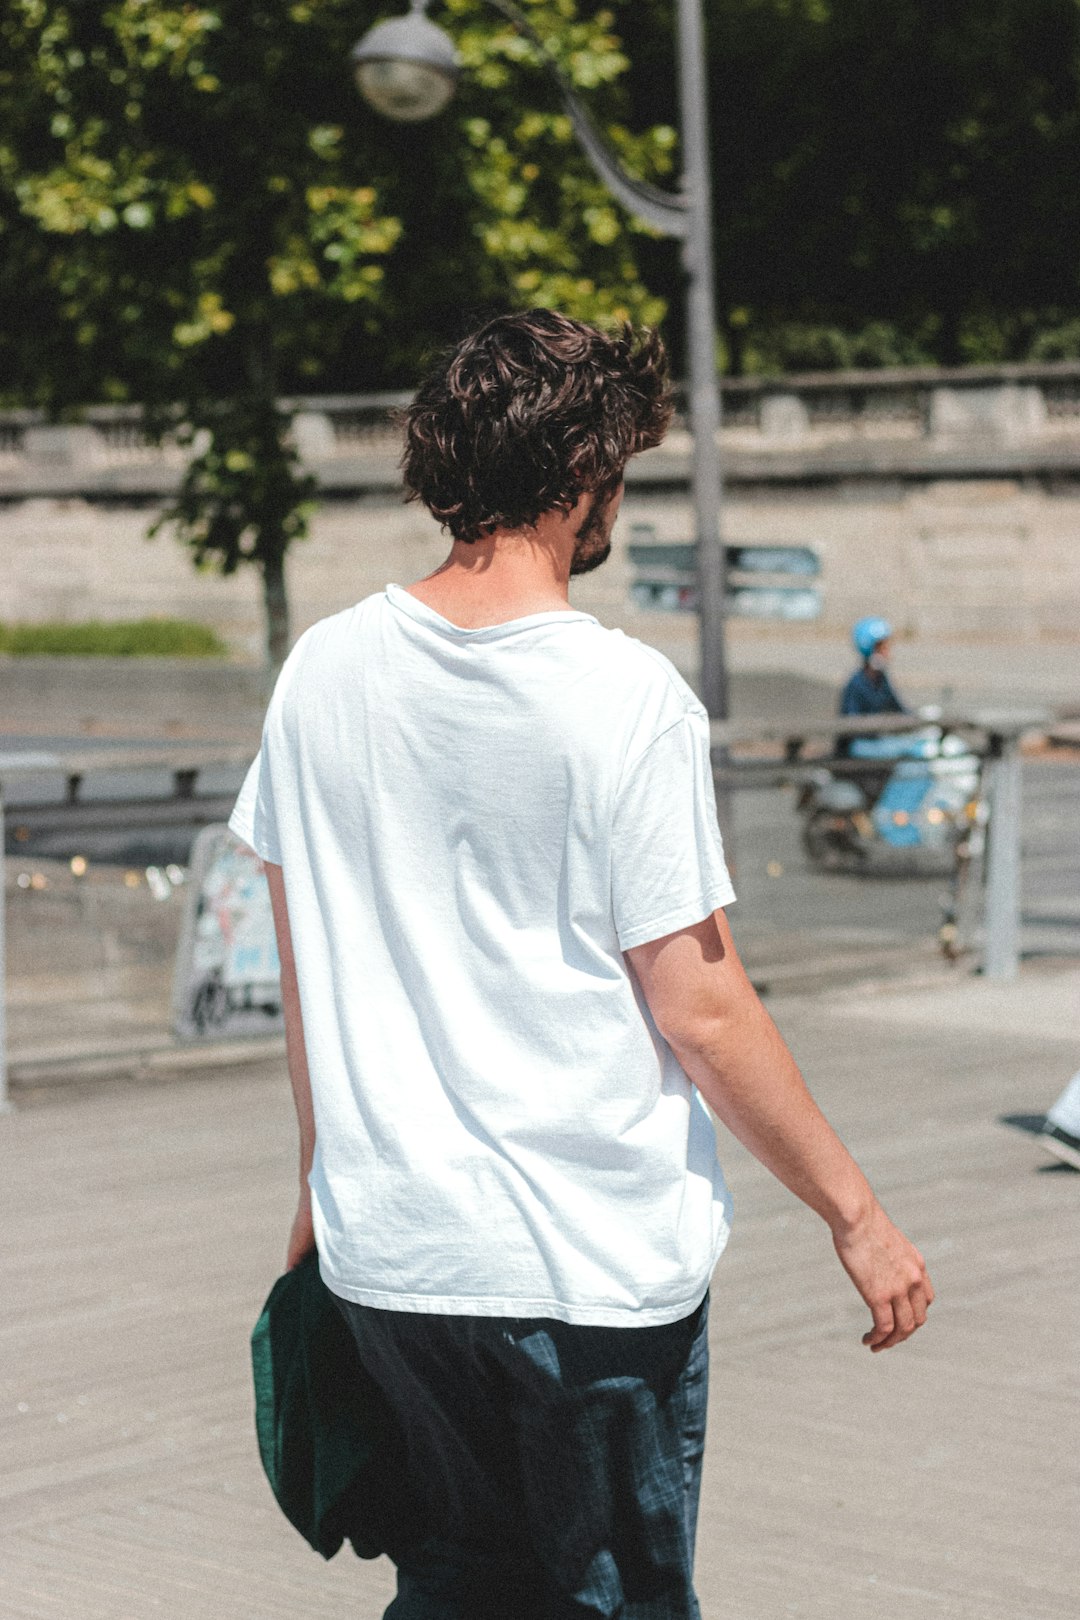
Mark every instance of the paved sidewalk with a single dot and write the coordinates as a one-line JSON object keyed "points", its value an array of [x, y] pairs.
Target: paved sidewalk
{"points": [[143, 1223]]}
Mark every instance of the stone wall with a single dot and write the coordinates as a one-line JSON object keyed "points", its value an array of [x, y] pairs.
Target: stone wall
{"points": [[974, 559], [949, 500], [971, 559]]}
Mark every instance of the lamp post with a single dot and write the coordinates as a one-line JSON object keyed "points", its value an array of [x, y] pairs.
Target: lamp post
{"points": [[407, 69]]}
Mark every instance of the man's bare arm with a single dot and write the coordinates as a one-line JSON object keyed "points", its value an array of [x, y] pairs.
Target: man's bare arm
{"points": [[708, 1011], [302, 1236]]}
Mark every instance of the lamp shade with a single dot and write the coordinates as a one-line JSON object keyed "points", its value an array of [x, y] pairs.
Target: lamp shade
{"points": [[406, 68]]}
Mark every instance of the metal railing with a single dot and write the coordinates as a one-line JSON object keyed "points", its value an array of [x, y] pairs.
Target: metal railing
{"points": [[73, 811], [799, 750], [746, 755]]}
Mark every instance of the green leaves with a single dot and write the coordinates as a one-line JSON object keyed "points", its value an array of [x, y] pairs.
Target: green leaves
{"points": [[199, 212], [243, 497], [924, 164], [217, 160]]}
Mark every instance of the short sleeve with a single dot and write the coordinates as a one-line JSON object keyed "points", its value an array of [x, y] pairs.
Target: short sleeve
{"points": [[253, 820], [667, 868]]}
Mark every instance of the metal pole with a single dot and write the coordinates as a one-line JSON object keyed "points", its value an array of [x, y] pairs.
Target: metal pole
{"points": [[5, 1105], [701, 346], [1002, 952]]}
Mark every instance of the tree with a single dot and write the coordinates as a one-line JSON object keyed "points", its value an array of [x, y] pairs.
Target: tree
{"points": [[892, 182], [213, 216]]}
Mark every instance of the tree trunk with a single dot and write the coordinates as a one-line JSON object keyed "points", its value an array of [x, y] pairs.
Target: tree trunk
{"points": [[276, 604], [735, 343], [271, 543], [950, 352]]}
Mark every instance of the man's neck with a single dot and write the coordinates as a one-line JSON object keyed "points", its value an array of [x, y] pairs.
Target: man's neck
{"points": [[505, 575]]}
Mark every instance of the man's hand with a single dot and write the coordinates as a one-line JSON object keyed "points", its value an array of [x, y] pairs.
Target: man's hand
{"points": [[302, 1236], [889, 1273]]}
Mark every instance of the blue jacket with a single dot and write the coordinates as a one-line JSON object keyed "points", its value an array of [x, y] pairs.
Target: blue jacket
{"points": [[869, 692]]}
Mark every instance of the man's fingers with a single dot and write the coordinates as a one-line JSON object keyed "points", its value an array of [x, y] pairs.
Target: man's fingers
{"points": [[921, 1293], [905, 1314], [904, 1323], [883, 1324]]}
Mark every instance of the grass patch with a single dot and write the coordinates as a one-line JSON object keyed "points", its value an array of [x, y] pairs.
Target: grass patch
{"points": [[131, 638]]}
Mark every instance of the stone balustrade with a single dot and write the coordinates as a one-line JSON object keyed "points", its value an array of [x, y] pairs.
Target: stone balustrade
{"points": [[947, 500], [979, 421]]}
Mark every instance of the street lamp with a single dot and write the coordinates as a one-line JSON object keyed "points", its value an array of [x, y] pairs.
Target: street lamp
{"points": [[407, 69]]}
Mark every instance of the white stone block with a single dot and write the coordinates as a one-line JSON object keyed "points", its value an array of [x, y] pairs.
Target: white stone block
{"points": [[784, 416], [314, 437], [1007, 411], [67, 444]]}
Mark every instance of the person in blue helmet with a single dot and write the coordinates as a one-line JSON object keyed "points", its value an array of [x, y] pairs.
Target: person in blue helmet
{"points": [[869, 691]]}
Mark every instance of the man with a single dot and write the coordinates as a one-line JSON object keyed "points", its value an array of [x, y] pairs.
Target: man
{"points": [[510, 991], [869, 690]]}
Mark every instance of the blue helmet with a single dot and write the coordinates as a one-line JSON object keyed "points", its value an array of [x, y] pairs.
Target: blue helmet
{"points": [[868, 633]]}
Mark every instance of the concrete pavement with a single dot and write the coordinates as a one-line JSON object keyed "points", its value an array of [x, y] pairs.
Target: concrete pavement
{"points": [[143, 1223]]}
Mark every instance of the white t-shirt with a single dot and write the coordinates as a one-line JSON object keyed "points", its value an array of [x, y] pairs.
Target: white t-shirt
{"points": [[473, 826]]}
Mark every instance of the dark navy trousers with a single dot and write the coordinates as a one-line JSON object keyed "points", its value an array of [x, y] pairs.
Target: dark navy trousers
{"points": [[539, 1471]]}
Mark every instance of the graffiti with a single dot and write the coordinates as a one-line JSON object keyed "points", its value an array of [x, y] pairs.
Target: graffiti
{"points": [[227, 978]]}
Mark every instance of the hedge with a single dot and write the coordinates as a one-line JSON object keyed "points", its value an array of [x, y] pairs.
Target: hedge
{"points": [[132, 638]]}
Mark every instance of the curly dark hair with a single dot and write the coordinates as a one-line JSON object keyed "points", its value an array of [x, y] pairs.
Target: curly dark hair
{"points": [[527, 414]]}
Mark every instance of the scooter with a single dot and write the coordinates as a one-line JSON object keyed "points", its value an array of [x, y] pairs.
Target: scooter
{"points": [[924, 806]]}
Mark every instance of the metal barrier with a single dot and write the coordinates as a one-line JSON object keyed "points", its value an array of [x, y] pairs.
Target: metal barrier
{"points": [[745, 755], [72, 811], [4, 1103], [994, 734], [185, 766]]}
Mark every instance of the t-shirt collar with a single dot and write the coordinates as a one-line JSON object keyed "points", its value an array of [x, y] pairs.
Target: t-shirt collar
{"points": [[404, 602]]}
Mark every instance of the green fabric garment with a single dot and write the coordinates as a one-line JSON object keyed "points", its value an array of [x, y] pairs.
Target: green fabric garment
{"points": [[320, 1419]]}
